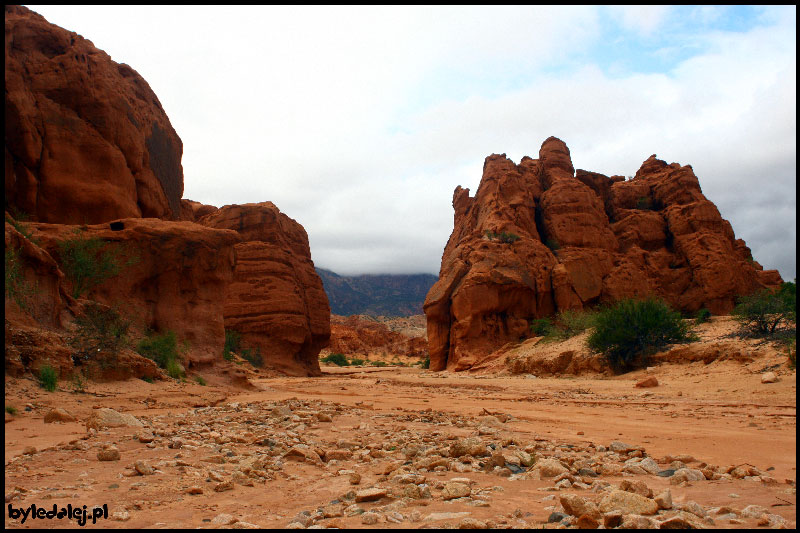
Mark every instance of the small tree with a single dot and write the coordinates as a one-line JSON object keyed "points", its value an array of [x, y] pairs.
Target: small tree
{"points": [[89, 261], [631, 329], [762, 312]]}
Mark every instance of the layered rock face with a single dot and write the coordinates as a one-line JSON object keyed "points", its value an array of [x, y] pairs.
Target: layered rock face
{"points": [[275, 300], [175, 276], [539, 237], [87, 140]]}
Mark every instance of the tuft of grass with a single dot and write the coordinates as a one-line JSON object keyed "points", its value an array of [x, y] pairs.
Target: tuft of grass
{"points": [[540, 327], [427, 362], [702, 316], [10, 409], [380, 363], [163, 349], [48, 378], [146, 379], [200, 380], [356, 362], [336, 358], [631, 329]]}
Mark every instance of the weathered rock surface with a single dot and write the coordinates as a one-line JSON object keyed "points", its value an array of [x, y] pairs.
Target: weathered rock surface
{"points": [[275, 300], [357, 336], [539, 237], [87, 140], [176, 278]]}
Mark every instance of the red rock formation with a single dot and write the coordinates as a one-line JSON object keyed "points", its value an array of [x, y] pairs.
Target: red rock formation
{"points": [[176, 279], [357, 336], [87, 141], [276, 300], [539, 237]]}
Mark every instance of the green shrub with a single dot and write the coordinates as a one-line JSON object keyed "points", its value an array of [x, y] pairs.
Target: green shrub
{"points": [[146, 379], [336, 358], [552, 244], [16, 287], [10, 409], [427, 362], [89, 261], [48, 378], [233, 340], [200, 380], [568, 323], [99, 330], [762, 312], [380, 363], [632, 329], [572, 323], [702, 316], [78, 382], [356, 362], [505, 238], [253, 356], [541, 326], [163, 349]]}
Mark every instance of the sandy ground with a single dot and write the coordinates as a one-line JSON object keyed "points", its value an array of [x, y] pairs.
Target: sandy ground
{"points": [[718, 413]]}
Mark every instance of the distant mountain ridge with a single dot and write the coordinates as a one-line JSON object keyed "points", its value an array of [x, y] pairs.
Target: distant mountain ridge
{"points": [[376, 294]]}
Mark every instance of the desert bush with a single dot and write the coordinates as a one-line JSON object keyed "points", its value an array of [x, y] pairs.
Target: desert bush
{"points": [[380, 363], [572, 323], [146, 379], [78, 383], [702, 316], [336, 358], [427, 362], [99, 330], [541, 326], [567, 324], [644, 202], [631, 329], [10, 409], [233, 340], [163, 349], [253, 356], [48, 378], [504, 237], [356, 362], [552, 244], [89, 261], [200, 380], [16, 287], [762, 312]]}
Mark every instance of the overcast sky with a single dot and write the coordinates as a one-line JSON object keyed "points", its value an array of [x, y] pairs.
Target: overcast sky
{"points": [[360, 122]]}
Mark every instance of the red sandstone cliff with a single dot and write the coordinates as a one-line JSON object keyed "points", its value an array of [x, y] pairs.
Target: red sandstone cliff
{"points": [[87, 140], [583, 239], [275, 300]]}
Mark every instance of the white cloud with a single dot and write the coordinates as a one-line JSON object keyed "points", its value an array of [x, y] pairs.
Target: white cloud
{"points": [[360, 122]]}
